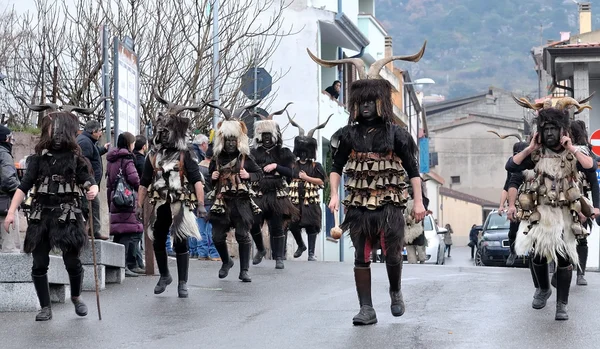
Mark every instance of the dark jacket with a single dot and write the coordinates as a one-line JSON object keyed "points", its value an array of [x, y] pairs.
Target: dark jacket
{"points": [[140, 159], [122, 220], [9, 181], [93, 152], [199, 153], [473, 235]]}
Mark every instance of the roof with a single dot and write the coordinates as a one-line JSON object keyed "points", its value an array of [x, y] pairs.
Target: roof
{"points": [[482, 118], [436, 177], [439, 107], [579, 45], [451, 193]]}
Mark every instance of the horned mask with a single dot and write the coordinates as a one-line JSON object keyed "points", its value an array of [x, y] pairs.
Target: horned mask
{"points": [[305, 146], [232, 126], [171, 129], [266, 124]]}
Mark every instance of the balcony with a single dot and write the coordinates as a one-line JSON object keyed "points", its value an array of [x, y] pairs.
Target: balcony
{"points": [[372, 29]]}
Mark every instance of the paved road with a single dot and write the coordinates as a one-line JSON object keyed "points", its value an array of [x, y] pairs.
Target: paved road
{"points": [[310, 305]]}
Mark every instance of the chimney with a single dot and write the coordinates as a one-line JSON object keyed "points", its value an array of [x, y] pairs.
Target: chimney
{"points": [[585, 17], [389, 52]]}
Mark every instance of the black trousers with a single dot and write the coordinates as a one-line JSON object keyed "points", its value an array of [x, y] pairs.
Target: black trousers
{"points": [[275, 224], [164, 219], [219, 233], [41, 260], [95, 213], [512, 235], [131, 242]]}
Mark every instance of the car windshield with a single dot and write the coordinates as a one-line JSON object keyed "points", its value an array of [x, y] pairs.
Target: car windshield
{"points": [[427, 224], [496, 221]]}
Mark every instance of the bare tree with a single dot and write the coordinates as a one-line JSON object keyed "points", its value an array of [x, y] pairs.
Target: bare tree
{"points": [[173, 40]]}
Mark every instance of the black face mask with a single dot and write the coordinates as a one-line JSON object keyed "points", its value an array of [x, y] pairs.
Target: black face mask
{"points": [[367, 110], [267, 140], [230, 145], [551, 136]]}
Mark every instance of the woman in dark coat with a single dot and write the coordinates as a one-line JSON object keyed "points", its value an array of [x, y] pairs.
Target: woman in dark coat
{"points": [[124, 225]]}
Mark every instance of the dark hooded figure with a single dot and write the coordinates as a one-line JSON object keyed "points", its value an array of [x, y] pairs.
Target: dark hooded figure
{"points": [[309, 176], [232, 169], [270, 193], [173, 183], [551, 207], [57, 175], [376, 155]]}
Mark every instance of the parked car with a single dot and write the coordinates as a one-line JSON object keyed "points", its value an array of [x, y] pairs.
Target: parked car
{"points": [[493, 248], [435, 246]]}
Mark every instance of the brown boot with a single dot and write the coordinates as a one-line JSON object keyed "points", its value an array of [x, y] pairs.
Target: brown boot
{"points": [[366, 315]]}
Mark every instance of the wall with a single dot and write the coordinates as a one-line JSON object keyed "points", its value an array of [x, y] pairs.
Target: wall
{"points": [[595, 104], [474, 154], [433, 195], [461, 215]]}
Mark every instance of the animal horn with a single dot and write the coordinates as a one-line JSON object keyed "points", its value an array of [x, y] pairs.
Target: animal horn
{"points": [[311, 132], [585, 100], [279, 112], [525, 103], [516, 135], [161, 100], [565, 102], [300, 129], [85, 111], [357, 62], [38, 107], [176, 109], [379, 64], [238, 112], [226, 113]]}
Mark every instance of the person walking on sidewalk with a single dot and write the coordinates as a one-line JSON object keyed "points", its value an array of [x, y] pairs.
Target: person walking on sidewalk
{"points": [[10, 241], [125, 228], [205, 246], [448, 238]]}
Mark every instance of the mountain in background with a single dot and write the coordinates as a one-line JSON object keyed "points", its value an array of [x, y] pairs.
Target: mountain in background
{"points": [[474, 44]]}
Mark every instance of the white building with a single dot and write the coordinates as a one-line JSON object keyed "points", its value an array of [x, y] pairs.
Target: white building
{"points": [[331, 29]]}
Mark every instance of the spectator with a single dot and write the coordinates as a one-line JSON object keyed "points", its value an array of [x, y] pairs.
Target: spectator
{"points": [[124, 225], [473, 240], [205, 248], [10, 241], [139, 151], [200, 145], [87, 141], [448, 238], [334, 89]]}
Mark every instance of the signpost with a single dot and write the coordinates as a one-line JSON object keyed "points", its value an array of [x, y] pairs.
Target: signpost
{"points": [[126, 89], [595, 140], [256, 83]]}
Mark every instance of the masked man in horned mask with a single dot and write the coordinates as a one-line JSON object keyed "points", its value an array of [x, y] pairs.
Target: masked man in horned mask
{"points": [[376, 155], [270, 193], [232, 169], [173, 183], [57, 176], [309, 177], [550, 200]]}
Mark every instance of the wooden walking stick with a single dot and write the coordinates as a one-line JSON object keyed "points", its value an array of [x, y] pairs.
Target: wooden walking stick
{"points": [[91, 225], [336, 232]]}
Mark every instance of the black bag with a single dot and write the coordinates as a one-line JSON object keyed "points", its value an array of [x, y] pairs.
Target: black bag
{"points": [[122, 196], [4, 204], [471, 244]]}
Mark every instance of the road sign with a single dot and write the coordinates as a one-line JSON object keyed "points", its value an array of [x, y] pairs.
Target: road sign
{"points": [[261, 88], [595, 140]]}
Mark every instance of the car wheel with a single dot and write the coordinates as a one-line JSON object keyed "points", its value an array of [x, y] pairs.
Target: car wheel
{"points": [[478, 260]]}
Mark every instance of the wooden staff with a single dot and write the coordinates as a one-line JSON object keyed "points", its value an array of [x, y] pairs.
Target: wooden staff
{"points": [[91, 224], [336, 232]]}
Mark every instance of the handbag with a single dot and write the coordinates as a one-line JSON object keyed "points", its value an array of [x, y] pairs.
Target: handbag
{"points": [[123, 196]]}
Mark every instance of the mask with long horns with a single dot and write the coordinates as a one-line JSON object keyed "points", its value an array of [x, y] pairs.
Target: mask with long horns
{"points": [[305, 146], [232, 126], [171, 129], [371, 87], [267, 125]]}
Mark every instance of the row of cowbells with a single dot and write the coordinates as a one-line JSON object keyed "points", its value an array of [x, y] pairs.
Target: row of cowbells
{"points": [[307, 185], [373, 167], [379, 183], [218, 206], [374, 201], [307, 200]]}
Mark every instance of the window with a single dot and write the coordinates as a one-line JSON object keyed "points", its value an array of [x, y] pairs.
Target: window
{"points": [[427, 224], [455, 179]]}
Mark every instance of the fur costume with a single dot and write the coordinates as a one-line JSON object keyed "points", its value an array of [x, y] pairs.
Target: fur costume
{"points": [[551, 196], [170, 183], [412, 229]]}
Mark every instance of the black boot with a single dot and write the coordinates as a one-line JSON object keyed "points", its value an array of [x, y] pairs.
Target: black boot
{"points": [[366, 315], [301, 246], [183, 264], [260, 248], [163, 268], [312, 240], [582, 251], [543, 278], [244, 249], [395, 275], [563, 278], [42, 288], [227, 261], [534, 278], [279, 248], [76, 282]]}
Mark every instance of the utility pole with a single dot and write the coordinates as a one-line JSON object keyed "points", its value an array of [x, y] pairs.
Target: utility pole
{"points": [[55, 84], [216, 80]]}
